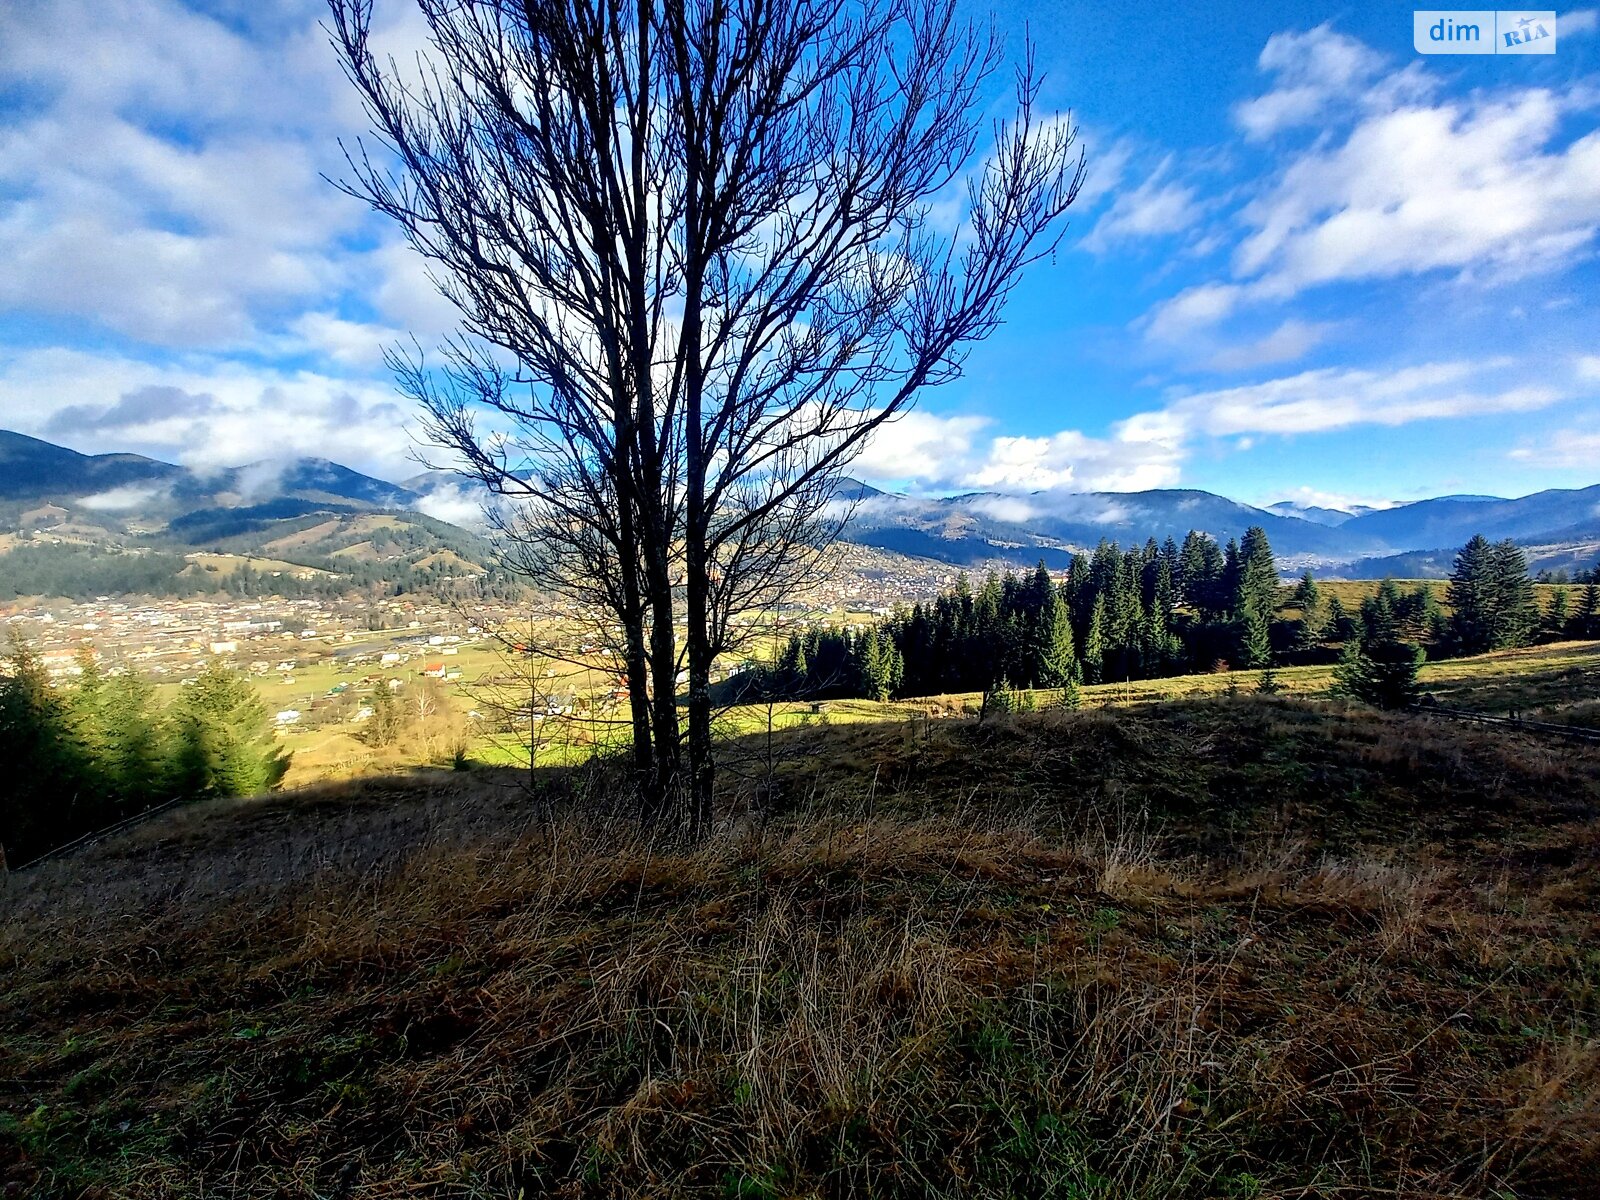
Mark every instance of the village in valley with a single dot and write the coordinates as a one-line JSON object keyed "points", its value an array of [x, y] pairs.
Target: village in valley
{"points": [[485, 670]]}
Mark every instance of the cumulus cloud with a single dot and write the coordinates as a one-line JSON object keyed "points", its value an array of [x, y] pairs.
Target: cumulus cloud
{"points": [[943, 453], [349, 343], [1195, 308], [1399, 181], [1310, 497], [141, 407], [165, 175], [1472, 186], [1149, 449], [1072, 460], [459, 504], [919, 445], [208, 413], [1321, 72], [165, 178], [1015, 509]]}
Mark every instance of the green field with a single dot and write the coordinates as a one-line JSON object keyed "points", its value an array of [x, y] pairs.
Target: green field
{"points": [[1558, 682]]}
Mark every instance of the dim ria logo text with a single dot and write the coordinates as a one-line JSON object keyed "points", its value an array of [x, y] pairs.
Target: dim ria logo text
{"points": [[1483, 31]]}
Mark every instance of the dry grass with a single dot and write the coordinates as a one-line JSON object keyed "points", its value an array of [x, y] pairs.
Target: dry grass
{"points": [[1231, 949]]}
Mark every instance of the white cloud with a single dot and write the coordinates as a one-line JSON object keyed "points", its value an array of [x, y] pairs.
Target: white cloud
{"points": [[1397, 183], [164, 177], [120, 499], [459, 504], [1291, 340], [1588, 366], [1323, 400], [1072, 460], [1566, 449], [1005, 508], [1107, 164], [348, 343], [1309, 497], [1321, 74], [919, 445], [1312, 67], [205, 412], [1193, 309], [1157, 206], [1474, 186], [942, 453], [1149, 449]]}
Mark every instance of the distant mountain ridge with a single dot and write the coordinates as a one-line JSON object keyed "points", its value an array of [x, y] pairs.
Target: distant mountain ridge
{"points": [[309, 511], [33, 469], [129, 492], [983, 527]]}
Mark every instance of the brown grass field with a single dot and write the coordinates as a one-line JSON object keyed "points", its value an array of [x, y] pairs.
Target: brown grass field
{"points": [[1224, 947]]}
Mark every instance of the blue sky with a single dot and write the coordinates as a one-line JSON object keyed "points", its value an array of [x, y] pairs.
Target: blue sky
{"points": [[1309, 263]]}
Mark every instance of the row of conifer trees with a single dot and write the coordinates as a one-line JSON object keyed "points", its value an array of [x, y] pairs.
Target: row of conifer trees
{"points": [[1165, 610], [103, 747]]}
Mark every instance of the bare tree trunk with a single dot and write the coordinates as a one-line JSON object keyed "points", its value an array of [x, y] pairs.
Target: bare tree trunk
{"points": [[664, 684]]}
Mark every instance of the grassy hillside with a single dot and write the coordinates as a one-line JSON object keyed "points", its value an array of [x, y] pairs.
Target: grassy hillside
{"points": [[1225, 948]]}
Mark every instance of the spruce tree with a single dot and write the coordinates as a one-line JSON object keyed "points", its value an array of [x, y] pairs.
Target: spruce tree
{"points": [[137, 747], [1094, 642], [1057, 661], [225, 745], [1380, 614], [1071, 697], [1257, 576], [1516, 611], [1557, 615], [1586, 620], [874, 670], [1255, 642], [1310, 628], [1307, 596], [1472, 599], [50, 793], [1383, 674]]}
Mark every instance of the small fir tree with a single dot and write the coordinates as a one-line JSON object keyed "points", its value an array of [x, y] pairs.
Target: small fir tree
{"points": [[1382, 674]]}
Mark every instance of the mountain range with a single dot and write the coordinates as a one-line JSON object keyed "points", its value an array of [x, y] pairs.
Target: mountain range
{"points": [[1560, 528], [299, 511], [267, 506]]}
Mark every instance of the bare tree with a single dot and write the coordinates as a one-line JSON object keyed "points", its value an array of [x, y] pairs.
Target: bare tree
{"points": [[702, 250]]}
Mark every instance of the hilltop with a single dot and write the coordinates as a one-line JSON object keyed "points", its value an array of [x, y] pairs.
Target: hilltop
{"points": [[1244, 948]]}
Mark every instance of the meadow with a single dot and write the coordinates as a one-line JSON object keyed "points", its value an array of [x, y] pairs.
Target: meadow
{"points": [[1238, 946], [1558, 683]]}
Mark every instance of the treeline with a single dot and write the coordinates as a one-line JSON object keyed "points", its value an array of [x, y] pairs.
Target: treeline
{"points": [[1562, 576], [91, 752], [83, 572], [1163, 610], [75, 572]]}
